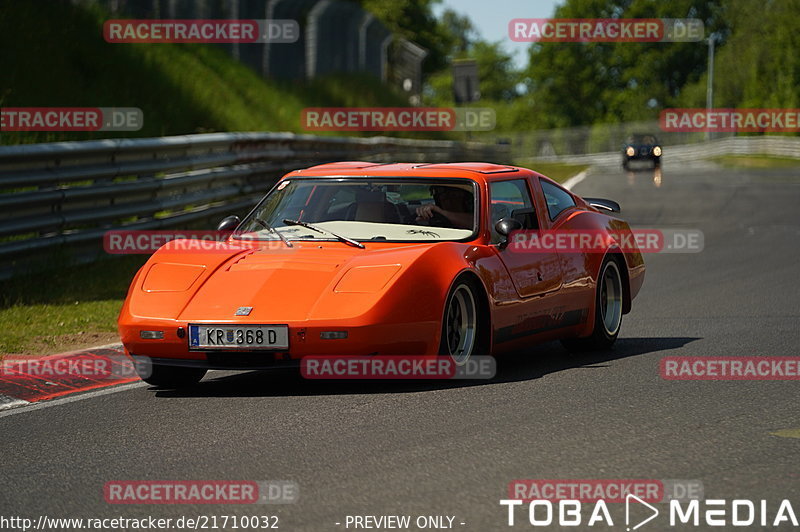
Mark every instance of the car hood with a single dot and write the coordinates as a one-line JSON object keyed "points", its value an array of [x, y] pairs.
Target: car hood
{"points": [[322, 281]]}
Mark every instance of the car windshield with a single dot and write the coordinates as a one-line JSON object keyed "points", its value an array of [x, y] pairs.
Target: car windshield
{"points": [[361, 209], [642, 139]]}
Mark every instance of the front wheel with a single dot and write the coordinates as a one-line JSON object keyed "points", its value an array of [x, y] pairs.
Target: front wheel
{"points": [[607, 313], [460, 323], [168, 376]]}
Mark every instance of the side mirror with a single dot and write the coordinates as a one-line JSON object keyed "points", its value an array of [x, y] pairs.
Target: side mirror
{"points": [[505, 226], [229, 224]]}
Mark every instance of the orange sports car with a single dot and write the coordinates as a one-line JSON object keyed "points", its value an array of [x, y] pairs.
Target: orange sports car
{"points": [[360, 259]]}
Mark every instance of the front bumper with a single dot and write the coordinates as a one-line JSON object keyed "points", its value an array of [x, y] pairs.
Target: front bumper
{"points": [[225, 360], [640, 157], [398, 339]]}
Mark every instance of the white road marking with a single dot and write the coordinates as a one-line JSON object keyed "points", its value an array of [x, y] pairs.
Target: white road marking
{"points": [[116, 346], [107, 346], [574, 180], [7, 402], [72, 398]]}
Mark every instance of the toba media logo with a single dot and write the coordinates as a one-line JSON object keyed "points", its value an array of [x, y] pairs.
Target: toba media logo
{"points": [[638, 513]]}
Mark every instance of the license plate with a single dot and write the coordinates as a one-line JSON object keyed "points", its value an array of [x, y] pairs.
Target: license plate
{"points": [[275, 337]]}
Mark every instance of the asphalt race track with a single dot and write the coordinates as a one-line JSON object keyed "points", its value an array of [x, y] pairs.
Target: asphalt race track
{"points": [[402, 448]]}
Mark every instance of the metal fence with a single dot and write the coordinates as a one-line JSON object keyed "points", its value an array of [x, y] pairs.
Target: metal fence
{"points": [[335, 36], [777, 146], [58, 199], [598, 138]]}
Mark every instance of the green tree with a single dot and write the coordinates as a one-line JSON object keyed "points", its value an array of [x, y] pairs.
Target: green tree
{"points": [[759, 65], [496, 72], [583, 83], [414, 20], [459, 31]]}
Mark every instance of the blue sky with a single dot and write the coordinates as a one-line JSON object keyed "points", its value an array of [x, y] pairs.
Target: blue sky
{"points": [[491, 18]]}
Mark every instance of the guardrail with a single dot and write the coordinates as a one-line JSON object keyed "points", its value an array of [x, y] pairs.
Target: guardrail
{"points": [[762, 145], [58, 199]]}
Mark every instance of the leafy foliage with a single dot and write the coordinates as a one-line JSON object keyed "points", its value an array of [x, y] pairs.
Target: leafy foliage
{"points": [[758, 65], [584, 83], [414, 20]]}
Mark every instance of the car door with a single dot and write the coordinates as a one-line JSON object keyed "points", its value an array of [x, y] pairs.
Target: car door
{"points": [[533, 273]]}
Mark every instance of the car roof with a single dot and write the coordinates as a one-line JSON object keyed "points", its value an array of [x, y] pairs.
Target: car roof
{"points": [[477, 171]]}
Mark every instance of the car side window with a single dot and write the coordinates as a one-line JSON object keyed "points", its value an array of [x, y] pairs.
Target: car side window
{"points": [[558, 199], [511, 199]]}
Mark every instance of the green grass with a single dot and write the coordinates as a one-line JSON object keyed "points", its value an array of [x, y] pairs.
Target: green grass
{"points": [[756, 161], [556, 171], [57, 57], [40, 329], [38, 311]]}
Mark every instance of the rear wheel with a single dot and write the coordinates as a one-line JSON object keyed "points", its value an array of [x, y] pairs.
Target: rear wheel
{"points": [[460, 324], [607, 313], [168, 376]]}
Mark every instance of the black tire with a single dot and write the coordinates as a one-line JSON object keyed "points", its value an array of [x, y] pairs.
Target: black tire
{"points": [[625, 163], [461, 322], [608, 310], [657, 162], [168, 376]]}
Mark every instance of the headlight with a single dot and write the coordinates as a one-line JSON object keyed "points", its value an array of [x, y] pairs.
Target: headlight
{"points": [[630, 151], [657, 151]]}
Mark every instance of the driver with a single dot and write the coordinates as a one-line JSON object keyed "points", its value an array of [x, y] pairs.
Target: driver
{"points": [[453, 203]]}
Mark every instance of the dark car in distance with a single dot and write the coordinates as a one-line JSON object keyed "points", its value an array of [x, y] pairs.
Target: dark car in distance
{"points": [[641, 146]]}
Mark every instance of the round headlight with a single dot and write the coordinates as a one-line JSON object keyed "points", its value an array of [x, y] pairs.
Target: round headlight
{"points": [[630, 151], [657, 151]]}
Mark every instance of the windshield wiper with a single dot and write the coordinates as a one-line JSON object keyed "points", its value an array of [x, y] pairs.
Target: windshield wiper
{"points": [[340, 238], [271, 229]]}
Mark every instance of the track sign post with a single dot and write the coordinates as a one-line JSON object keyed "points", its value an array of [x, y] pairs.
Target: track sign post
{"points": [[465, 81]]}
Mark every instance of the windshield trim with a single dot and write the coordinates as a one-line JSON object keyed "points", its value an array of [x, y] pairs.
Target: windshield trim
{"points": [[476, 228]]}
